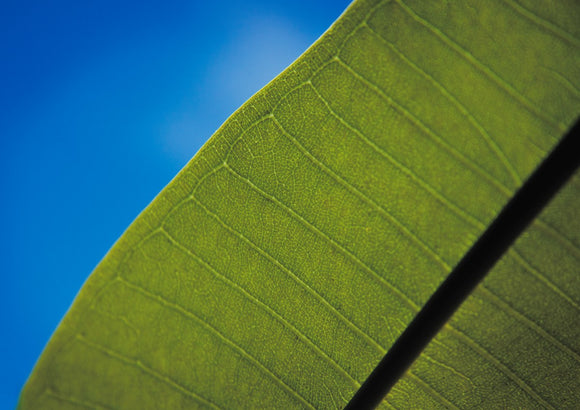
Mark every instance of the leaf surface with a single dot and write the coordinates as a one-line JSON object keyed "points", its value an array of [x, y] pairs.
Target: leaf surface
{"points": [[284, 260], [528, 301]]}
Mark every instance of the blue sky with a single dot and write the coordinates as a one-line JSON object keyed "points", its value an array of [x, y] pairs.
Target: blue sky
{"points": [[101, 104]]}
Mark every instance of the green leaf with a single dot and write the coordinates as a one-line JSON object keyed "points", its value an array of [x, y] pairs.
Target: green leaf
{"points": [[529, 301], [283, 261]]}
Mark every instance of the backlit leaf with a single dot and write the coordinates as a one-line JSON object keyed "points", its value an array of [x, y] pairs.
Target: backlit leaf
{"points": [[281, 264]]}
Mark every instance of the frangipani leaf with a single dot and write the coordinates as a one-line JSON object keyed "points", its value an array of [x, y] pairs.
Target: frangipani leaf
{"points": [[529, 302], [285, 259]]}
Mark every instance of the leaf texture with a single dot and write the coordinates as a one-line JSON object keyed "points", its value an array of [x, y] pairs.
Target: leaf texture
{"points": [[284, 260], [527, 356]]}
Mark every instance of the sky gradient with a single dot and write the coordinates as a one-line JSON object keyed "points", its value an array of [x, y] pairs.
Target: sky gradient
{"points": [[101, 104]]}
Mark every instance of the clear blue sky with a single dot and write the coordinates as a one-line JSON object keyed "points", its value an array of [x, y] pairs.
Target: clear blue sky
{"points": [[101, 104]]}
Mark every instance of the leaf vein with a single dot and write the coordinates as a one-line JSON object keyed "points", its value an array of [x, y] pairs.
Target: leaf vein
{"points": [[503, 84], [74, 400], [559, 236], [496, 183], [565, 82], [506, 307], [499, 365], [541, 277], [450, 368], [395, 290], [492, 144], [353, 190], [243, 353], [328, 239], [544, 23], [145, 369], [457, 210], [426, 387], [407, 171], [262, 304], [426, 130], [263, 253]]}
